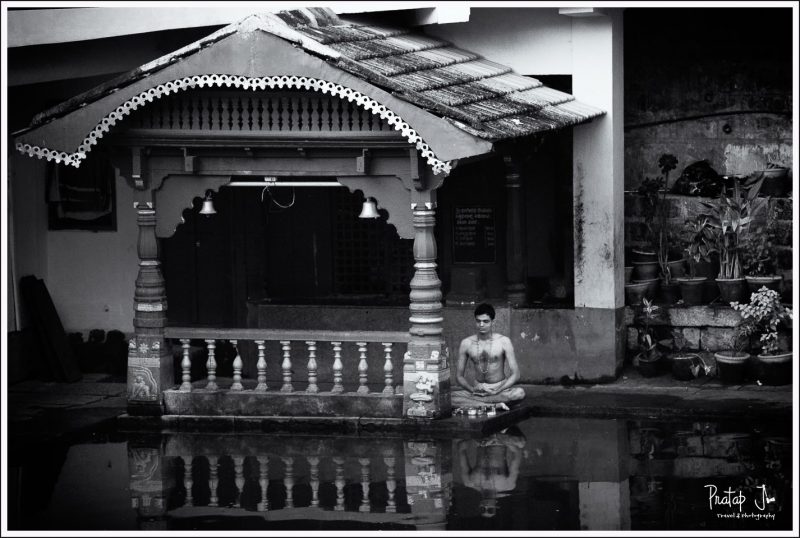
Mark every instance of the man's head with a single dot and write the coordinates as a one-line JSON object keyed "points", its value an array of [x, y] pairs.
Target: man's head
{"points": [[484, 318]]}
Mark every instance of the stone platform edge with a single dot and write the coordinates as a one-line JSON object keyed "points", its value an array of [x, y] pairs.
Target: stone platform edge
{"points": [[456, 425]]}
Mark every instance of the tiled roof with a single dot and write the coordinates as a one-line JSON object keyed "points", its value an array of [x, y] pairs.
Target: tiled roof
{"points": [[477, 95]]}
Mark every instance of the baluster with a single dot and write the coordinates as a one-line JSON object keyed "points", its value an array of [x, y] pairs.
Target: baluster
{"points": [[337, 367], [391, 485], [186, 366], [362, 368], [286, 366], [314, 478], [312, 367], [187, 479], [339, 481], [237, 368], [364, 507], [238, 467], [213, 481], [288, 481], [388, 368], [263, 481], [262, 368], [211, 365]]}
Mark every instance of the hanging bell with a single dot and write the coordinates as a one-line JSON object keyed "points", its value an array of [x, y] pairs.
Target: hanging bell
{"points": [[208, 206], [369, 210]]}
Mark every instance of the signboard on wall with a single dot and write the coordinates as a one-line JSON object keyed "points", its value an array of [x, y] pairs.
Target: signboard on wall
{"points": [[474, 237]]}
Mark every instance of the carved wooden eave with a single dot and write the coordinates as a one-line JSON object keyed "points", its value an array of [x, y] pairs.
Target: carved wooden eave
{"points": [[257, 53]]}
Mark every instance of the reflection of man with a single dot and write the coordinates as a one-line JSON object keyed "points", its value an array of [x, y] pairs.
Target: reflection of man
{"points": [[489, 354], [496, 467]]}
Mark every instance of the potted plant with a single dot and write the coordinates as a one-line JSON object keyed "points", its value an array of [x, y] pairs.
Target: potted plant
{"points": [[647, 358], [698, 238], [732, 364], [759, 259], [645, 259], [729, 220], [762, 317]]}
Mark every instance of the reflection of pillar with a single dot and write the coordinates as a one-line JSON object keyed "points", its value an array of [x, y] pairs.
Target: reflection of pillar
{"points": [[515, 235], [314, 479], [605, 505], [263, 482], [364, 507], [288, 481], [238, 467], [213, 481], [391, 485], [428, 472], [339, 482], [426, 374], [149, 360], [187, 479], [151, 483]]}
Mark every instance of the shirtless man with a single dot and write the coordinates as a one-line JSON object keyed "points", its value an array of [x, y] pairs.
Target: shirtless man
{"points": [[489, 354]]}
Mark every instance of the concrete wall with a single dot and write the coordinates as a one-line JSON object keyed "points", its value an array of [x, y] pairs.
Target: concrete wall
{"points": [[90, 275], [531, 41], [724, 95]]}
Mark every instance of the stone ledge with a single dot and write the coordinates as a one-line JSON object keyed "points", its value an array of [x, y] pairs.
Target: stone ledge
{"points": [[347, 425], [692, 316]]}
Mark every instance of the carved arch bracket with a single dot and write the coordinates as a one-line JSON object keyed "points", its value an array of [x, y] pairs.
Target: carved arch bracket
{"points": [[391, 195], [252, 83], [172, 196]]}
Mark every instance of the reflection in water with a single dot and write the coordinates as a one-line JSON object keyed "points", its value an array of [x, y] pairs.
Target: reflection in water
{"points": [[496, 468], [545, 473]]}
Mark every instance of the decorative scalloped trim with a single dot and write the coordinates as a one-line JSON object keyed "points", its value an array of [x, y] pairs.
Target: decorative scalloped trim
{"points": [[253, 83]]}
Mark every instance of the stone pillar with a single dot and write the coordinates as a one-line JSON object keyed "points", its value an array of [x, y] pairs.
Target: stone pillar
{"points": [[516, 285], [149, 359], [598, 158], [426, 372]]}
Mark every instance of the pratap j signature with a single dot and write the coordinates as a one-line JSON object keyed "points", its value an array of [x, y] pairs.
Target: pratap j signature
{"points": [[733, 498]]}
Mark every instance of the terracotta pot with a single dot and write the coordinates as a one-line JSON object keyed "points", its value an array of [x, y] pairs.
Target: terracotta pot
{"points": [[645, 270], [776, 182], [732, 289], [731, 366], [652, 286], [628, 274], [772, 282], [670, 293], [634, 293], [775, 369], [692, 289], [677, 268], [648, 367], [682, 366], [641, 255]]}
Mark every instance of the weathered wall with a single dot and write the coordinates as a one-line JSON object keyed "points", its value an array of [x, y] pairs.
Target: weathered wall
{"points": [[707, 84]]}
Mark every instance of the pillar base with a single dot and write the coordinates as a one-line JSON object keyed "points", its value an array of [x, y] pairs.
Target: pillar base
{"points": [[426, 381], [149, 374]]}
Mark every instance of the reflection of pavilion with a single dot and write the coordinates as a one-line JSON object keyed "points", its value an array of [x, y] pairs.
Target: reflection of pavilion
{"points": [[282, 479]]}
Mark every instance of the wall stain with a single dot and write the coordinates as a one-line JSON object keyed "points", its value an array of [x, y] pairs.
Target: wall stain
{"points": [[579, 221]]}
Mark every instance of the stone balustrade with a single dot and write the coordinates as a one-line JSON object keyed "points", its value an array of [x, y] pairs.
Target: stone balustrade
{"points": [[292, 396]]}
